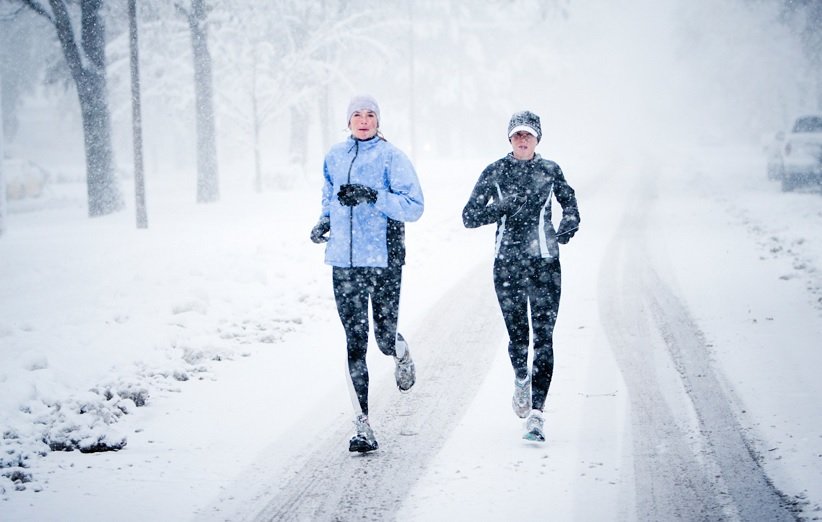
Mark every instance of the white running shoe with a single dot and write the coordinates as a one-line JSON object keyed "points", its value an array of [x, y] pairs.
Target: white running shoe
{"points": [[404, 373], [364, 440], [521, 400], [533, 427]]}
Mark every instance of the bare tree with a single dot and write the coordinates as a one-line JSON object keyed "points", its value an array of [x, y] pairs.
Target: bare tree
{"points": [[18, 75], [87, 64], [207, 176], [812, 42], [3, 17], [2, 176], [279, 59]]}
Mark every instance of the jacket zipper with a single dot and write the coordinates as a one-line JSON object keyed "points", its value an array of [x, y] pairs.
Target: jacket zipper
{"points": [[351, 209]]}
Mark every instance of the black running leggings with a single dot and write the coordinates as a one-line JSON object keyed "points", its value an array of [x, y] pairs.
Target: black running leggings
{"points": [[538, 281], [352, 289]]}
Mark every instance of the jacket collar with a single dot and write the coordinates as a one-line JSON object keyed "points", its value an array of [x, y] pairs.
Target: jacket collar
{"points": [[363, 144], [510, 157]]}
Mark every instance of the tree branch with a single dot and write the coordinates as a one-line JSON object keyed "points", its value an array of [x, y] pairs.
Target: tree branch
{"points": [[65, 33], [39, 9], [182, 10], [14, 10]]}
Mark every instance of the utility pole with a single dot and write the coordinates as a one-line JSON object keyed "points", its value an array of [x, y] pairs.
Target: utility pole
{"points": [[136, 119], [2, 176], [412, 106]]}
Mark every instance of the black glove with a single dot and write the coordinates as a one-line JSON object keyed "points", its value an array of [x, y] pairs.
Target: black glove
{"points": [[568, 226], [323, 227], [354, 194], [511, 204]]}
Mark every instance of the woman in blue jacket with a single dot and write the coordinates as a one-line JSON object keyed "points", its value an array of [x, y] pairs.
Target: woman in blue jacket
{"points": [[515, 192], [370, 191]]}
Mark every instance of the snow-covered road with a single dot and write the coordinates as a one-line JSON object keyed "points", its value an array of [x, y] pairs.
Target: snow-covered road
{"points": [[686, 360], [691, 456], [332, 484], [675, 442]]}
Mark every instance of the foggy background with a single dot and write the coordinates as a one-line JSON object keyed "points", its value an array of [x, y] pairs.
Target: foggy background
{"points": [[605, 76]]}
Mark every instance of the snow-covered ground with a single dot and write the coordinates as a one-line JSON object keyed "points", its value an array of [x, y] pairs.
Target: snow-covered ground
{"points": [[208, 345]]}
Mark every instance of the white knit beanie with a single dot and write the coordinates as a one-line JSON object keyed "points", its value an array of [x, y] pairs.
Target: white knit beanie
{"points": [[363, 102]]}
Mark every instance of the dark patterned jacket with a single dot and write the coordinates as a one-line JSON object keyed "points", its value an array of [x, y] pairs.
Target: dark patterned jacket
{"points": [[527, 229]]}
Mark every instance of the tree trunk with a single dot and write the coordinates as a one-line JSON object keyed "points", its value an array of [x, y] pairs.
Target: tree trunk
{"points": [[298, 150], [137, 118], [412, 109], [325, 119], [207, 180], [103, 190], [256, 125], [92, 91]]}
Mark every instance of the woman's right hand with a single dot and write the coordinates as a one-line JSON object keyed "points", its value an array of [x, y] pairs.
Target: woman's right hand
{"points": [[511, 204], [323, 227]]}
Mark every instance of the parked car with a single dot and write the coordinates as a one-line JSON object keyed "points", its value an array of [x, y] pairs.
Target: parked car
{"points": [[24, 179], [799, 158]]}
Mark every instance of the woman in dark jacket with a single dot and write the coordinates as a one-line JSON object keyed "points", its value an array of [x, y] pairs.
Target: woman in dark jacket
{"points": [[515, 192]]}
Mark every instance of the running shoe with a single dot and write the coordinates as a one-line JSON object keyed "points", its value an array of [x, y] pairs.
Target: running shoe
{"points": [[364, 440], [533, 427], [404, 373], [521, 401]]}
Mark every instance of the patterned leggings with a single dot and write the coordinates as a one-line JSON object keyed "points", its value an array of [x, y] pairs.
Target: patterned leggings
{"points": [[519, 282], [353, 287]]}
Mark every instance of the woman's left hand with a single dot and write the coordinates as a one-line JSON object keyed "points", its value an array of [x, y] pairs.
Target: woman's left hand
{"points": [[323, 227], [353, 194], [568, 226]]}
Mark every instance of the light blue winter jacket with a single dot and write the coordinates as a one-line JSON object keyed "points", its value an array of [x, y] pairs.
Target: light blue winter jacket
{"points": [[359, 235]]}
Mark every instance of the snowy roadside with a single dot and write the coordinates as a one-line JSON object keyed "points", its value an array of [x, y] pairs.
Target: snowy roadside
{"points": [[759, 302], [100, 319]]}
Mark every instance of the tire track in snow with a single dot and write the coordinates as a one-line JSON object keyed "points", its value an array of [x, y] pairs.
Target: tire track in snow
{"points": [[453, 352], [691, 458]]}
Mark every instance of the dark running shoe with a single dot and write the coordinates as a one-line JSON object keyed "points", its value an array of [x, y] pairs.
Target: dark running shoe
{"points": [[363, 441]]}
